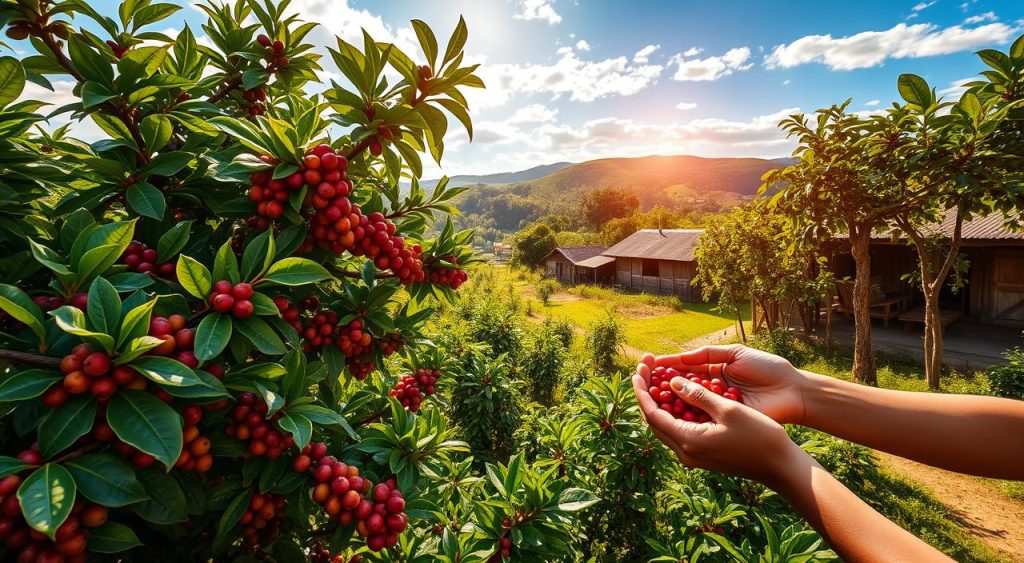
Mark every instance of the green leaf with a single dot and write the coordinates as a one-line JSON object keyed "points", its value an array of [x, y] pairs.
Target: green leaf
{"points": [[242, 131], [137, 347], [111, 537], [262, 370], [96, 261], [194, 277], [46, 497], [65, 424], [130, 281], [166, 504], [295, 271], [156, 130], [233, 514], [19, 305], [136, 323], [263, 305], [72, 320], [915, 90], [146, 200], [225, 264], [261, 335], [48, 258], [173, 241], [300, 427], [212, 336], [165, 371], [94, 94], [12, 80], [142, 420], [427, 41], [294, 383], [26, 384], [167, 164], [574, 499], [11, 465], [92, 65], [258, 255], [106, 479], [104, 307], [318, 414], [273, 399]]}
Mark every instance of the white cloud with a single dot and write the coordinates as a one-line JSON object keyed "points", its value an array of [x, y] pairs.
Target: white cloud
{"points": [[956, 88], [537, 10], [686, 105], [872, 103], [711, 68], [582, 45], [336, 17], [61, 95], [980, 18], [872, 48], [582, 80], [922, 5], [643, 55], [692, 52], [786, 82], [533, 113]]}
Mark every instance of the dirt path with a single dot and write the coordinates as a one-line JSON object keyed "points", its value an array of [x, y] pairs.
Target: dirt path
{"points": [[978, 507]]}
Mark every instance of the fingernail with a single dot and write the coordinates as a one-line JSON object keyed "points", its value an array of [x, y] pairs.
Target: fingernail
{"points": [[678, 383]]}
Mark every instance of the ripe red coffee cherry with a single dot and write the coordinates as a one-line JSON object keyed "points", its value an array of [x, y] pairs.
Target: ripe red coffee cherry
{"points": [[241, 291], [396, 504], [301, 464], [222, 302], [94, 515], [159, 326], [97, 363], [55, 396], [31, 457], [222, 286], [243, 308], [263, 40], [103, 388], [184, 338]]}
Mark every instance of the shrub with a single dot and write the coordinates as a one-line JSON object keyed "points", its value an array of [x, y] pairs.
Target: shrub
{"points": [[781, 342], [543, 360], [486, 391], [546, 289], [1007, 380], [604, 341]]}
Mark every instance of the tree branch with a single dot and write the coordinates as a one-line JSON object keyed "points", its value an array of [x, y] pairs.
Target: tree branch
{"points": [[29, 358], [224, 89], [356, 275]]}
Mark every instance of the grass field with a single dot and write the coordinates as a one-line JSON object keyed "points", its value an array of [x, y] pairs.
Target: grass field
{"points": [[651, 323]]}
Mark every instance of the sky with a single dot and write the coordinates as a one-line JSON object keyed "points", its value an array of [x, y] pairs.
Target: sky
{"points": [[575, 80]]}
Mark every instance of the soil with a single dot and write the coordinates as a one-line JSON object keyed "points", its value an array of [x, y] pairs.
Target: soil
{"points": [[978, 507]]}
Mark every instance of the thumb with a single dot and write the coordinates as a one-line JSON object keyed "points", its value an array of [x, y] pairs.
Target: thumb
{"points": [[696, 395]]}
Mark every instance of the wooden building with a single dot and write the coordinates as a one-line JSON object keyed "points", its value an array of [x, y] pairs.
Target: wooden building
{"points": [[994, 293], [580, 264], [657, 261]]}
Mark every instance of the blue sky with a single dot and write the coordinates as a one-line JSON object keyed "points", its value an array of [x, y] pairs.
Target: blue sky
{"points": [[582, 79]]}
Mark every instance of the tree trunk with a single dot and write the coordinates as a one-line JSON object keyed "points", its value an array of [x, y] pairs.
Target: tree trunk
{"points": [[828, 329], [739, 320], [863, 357], [932, 337]]}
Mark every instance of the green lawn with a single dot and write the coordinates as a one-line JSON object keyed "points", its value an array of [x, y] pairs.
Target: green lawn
{"points": [[652, 323]]}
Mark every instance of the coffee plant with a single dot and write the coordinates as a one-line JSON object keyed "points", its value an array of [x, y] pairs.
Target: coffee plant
{"points": [[212, 317]]}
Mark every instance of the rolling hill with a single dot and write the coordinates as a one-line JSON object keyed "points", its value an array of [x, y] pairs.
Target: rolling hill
{"points": [[685, 183], [502, 177]]}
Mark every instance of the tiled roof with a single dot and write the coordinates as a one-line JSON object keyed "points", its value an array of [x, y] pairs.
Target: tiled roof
{"points": [[664, 244], [990, 227]]}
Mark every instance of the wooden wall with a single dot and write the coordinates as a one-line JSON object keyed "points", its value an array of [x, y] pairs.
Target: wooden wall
{"points": [[673, 277], [563, 273]]}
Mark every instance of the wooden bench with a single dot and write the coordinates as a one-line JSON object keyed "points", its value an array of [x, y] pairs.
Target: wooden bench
{"points": [[916, 316]]}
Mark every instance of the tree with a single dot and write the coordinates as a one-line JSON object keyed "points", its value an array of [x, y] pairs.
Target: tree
{"points": [[605, 204], [204, 311], [833, 190], [532, 244]]}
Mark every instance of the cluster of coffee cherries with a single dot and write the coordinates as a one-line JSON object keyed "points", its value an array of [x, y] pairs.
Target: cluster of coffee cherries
{"points": [[504, 550], [355, 343], [142, 259], [178, 339], [668, 401], [88, 371], [289, 312], [254, 99], [320, 554], [387, 250], [118, 49], [249, 423], [319, 330], [195, 454], [378, 512], [70, 539], [234, 299], [273, 52], [271, 196], [411, 389], [452, 277], [261, 521]]}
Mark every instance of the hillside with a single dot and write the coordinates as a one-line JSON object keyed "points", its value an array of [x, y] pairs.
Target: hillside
{"points": [[502, 177], [687, 183]]}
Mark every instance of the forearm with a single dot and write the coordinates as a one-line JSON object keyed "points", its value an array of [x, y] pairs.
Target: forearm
{"points": [[854, 530], [963, 433]]}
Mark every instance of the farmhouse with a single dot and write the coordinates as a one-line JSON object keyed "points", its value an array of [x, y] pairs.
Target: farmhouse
{"points": [[657, 261], [580, 264], [993, 294]]}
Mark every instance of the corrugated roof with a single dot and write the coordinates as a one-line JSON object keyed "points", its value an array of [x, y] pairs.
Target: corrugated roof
{"points": [[666, 244], [596, 262], [991, 227], [577, 254]]}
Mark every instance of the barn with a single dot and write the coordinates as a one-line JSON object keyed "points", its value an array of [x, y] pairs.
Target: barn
{"points": [[993, 294], [580, 264], [657, 261]]}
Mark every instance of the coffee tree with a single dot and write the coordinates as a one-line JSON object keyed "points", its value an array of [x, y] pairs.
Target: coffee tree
{"points": [[212, 316]]}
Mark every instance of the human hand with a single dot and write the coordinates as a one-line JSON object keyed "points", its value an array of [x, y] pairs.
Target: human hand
{"points": [[768, 383], [738, 440]]}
